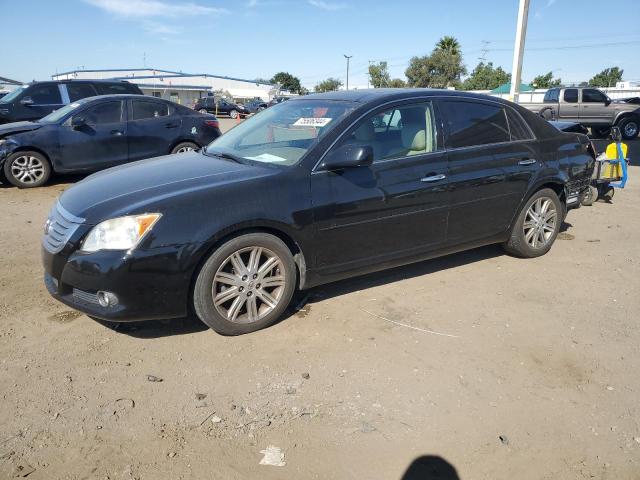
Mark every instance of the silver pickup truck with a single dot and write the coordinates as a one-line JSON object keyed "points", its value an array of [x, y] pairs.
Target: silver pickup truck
{"points": [[590, 107]]}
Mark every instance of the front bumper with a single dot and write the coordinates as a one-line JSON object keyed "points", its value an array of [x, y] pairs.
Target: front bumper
{"points": [[149, 284]]}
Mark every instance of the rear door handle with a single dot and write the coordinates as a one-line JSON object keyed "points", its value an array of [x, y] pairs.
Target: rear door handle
{"points": [[527, 161], [433, 178]]}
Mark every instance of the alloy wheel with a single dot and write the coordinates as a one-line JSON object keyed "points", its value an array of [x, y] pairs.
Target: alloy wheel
{"points": [[184, 149], [248, 285], [540, 222], [27, 169], [631, 129]]}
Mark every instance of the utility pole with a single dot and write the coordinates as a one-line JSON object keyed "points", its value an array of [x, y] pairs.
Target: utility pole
{"points": [[348, 57], [484, 51], [518, 50]]}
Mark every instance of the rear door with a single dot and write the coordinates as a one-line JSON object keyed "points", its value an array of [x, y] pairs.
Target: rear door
{"points": [[477, 140], [101, 142], [153, 128], [394, 208], [595, 108], [569, 106]]}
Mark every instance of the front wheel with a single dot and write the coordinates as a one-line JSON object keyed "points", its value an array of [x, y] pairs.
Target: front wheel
{"points": [[233, 114], [629, 128], [184, 147], [27, 169], [537, 225], [203, 110], [245, 285]]}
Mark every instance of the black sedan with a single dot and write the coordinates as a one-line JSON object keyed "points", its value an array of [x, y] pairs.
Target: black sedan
{"points": [[100, 132], [312, 190]]}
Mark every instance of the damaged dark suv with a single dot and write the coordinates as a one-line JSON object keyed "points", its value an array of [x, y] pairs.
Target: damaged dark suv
{"points": [[313, 190]]}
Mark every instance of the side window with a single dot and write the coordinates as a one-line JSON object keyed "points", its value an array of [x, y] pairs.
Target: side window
{"points": [[474, 123], [103, 113], [571, 95], [44, 94], [591, 95], [143, 110], [398, 132], [78, 91], [113, 88], [517, 126]]}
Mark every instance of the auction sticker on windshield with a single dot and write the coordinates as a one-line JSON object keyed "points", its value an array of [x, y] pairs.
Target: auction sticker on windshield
{"points": [[312, 122]]}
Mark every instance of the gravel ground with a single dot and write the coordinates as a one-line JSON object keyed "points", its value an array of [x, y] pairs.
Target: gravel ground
{"points": [[504, 368]]}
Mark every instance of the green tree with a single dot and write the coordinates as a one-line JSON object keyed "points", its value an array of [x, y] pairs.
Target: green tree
{"points": [[607, 78], [486, 77], [546, 81], [449, 44], [442, 69], [397, 83], [379, 75], [328, 85], [287, 82]]}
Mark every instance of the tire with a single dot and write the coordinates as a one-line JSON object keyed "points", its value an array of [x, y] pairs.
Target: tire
{"points": [[233, 114], [524, 244], [590, 196], [27, 169], [183, 147], [203, 110], [232, 314], [629, 128]]}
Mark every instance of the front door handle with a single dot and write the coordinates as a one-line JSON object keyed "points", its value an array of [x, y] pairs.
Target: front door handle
{"points": [[433, 178], [527, 161]]}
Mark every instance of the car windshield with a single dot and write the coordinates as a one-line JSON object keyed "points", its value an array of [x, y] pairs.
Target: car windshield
{"points": [[56, 115], [9, 97], [281, 135]]}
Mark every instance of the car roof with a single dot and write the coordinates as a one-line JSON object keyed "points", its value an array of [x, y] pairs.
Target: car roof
{"points": [[80, 80], [119, 96]]}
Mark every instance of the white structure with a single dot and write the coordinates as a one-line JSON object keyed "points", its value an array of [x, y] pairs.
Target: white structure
{"points": [[183, 88]]}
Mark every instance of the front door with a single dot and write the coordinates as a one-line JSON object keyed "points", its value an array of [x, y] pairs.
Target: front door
{"points": [[153, 129], [100, 142], [37, 101], [394, 208], [595, 108]]}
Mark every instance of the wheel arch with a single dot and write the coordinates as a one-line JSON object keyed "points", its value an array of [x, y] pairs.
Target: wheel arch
{"points": [[237, 230], [182, 140], [635, 114], [555, 184], [28, 148]]}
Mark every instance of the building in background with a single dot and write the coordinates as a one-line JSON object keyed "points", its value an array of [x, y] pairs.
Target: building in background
{"points": [[179, 87], [6, 84]]}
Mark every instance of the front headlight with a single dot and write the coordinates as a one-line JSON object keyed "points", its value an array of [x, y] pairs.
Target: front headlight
{"points": [[120, 233]]}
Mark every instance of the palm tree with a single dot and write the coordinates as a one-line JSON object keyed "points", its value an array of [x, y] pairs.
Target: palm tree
{"points": [[449, 43]]}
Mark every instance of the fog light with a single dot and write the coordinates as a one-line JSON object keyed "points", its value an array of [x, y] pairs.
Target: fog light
{"points": [[107, 299]]}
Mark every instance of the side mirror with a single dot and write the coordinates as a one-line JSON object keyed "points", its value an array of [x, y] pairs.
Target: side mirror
{"points": [[607, 102], [348, 156], [27, 101], [78, 122]]}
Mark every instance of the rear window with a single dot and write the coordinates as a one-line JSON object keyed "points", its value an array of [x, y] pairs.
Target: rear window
{"points": [[517, 127], [78, 91], [474, 123], [144, 109], [552, 96], [116, 88]]}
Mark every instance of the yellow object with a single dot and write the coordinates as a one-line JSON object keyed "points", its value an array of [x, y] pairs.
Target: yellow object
{"points": [[612, 151]]}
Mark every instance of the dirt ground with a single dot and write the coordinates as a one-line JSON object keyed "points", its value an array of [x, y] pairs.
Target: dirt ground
{"points": [[504, 368]]}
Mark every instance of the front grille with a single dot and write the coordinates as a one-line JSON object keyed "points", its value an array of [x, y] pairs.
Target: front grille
{"points": [[59, 228]]}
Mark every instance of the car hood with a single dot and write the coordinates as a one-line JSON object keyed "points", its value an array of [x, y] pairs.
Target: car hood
{"points": [[152, 184], [18, 127]]}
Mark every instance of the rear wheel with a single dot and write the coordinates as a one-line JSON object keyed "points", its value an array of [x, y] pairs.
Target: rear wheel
{"points": [[233, 114], [184, 147], [245, 285], [629, 128], [27, 169], [537, 225]]}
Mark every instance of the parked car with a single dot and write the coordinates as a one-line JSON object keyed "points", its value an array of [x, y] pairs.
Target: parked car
{"points": [[38, 99], [590, 107], [3, 93], [255, 106], [277, 100], [100, 132], [310, 192], [220, 107]]}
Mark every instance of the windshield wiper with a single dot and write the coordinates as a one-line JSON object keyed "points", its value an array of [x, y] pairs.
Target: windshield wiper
{"points": [[226, 156]]}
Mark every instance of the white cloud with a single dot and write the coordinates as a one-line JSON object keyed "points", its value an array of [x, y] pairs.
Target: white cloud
{"points": [[154, 8], [327, 5], [160, 28]]}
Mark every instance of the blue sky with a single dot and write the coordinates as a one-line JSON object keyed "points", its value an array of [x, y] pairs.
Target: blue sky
{"points": [[256, 38]]}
